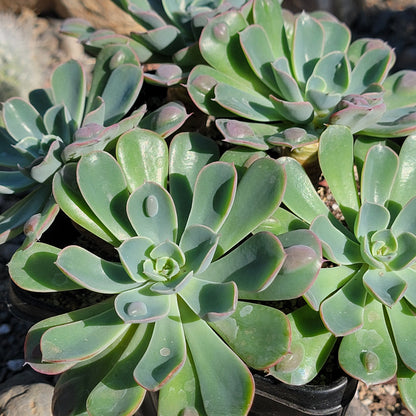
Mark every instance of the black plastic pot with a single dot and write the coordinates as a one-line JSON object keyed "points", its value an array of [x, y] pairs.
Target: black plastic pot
{"points": [[274, 398]]}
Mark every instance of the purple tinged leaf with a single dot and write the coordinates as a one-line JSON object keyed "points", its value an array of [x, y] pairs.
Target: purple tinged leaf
{"points": [[166, 119], [166, 75], [293, 137]]}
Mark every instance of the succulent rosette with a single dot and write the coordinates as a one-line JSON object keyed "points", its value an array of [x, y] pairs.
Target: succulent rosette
{"points": [[168, 34], [367, 294], [59, 124], [275, 79], [182, 224]]}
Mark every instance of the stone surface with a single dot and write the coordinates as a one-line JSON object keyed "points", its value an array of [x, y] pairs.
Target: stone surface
{"points": [[102, 13], [26, 394]]}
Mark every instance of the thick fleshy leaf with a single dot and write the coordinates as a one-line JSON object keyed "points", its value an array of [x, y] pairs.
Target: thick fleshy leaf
{"points": [[299, 112], [342, 313], [82, 339], [371, 217], [378, 175], [252, 135], [337, 36], [34, 269], [102, 185], [220, 47], [166, 119], [269, 16], [406, 220], [142, 305], [166, 75], [118, 392], [385, 286], [121, 91], [22, 120], [308, 44], [336, 244], [262, 348], [210, 301], [406, 252], [188, 154], [13, 219], [288, 86], [213, 195], [90, 138], [258, 195], [303, 258], [311, 344], [300, 195], [165, 354], [70, 200], [201, 82], [58, 122], [50, 163], [282, 221], [14, 182], [252, 265], [10, 156], [337, 163], [409, 276], [404, 185], [372, 68], [403, 324], [250, 104], [198, 244], [226, 384], [328, 281], [133, 252], [75, 385], [33, 353], [69, 88], [92, 272], [406, 380], [152, 213], [162, 39], [37, 224], [173, 398], [368, 354], [259, 58], [241, 157], [108, 61], [133, 148]]}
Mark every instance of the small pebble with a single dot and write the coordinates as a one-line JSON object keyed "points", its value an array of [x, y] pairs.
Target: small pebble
{"points": [[4, 329], [16, 364]]}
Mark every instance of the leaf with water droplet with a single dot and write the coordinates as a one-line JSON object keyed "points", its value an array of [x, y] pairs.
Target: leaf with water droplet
{"points": [[141, 305]]}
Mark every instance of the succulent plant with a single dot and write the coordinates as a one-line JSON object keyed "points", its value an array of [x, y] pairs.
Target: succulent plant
{"points": [[183, 256], [168, 36], [62, 123], [275, 79], [366, 295]]}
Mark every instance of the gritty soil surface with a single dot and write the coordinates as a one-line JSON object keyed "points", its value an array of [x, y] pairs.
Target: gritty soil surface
{"points": [[391, 20]]}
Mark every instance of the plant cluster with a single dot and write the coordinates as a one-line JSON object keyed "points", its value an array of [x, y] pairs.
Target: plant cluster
{"points": [[206, 238]]}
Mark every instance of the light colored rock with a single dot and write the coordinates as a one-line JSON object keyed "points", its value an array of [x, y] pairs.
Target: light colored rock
{"points": [[25, 395], [101, 14]]}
